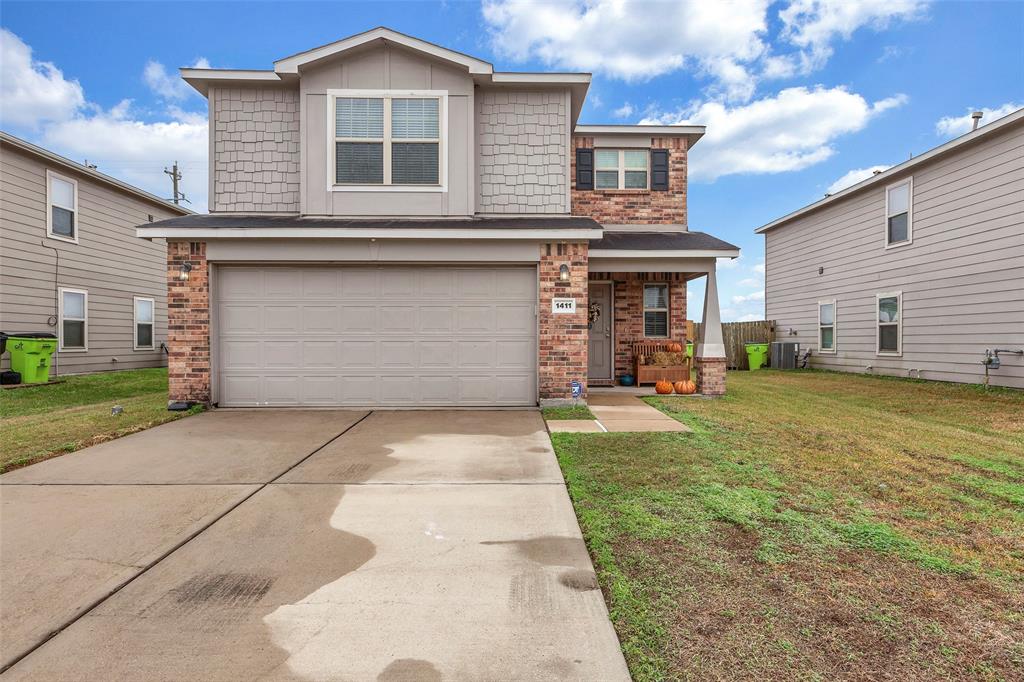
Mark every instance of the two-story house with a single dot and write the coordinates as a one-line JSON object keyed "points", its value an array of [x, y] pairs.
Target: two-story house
{"points": [[917, 271], [71, 265], [395, 223]]}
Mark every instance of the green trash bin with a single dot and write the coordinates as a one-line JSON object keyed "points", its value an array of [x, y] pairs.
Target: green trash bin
{"points": [[757, 355], [689, 350], [30, 355]]}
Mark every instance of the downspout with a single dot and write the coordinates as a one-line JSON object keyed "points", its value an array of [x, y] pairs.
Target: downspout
{"points": [[51, 321]]}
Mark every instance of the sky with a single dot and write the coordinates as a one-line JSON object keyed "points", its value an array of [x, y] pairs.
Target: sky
{"points": [[800, 97]]}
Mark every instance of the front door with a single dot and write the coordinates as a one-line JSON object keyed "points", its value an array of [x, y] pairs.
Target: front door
{"points": [[599, 349]]}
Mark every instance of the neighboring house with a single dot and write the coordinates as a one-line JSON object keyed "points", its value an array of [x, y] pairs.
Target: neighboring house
{"points": [[71, 265], [396, 223], [917, 271]]}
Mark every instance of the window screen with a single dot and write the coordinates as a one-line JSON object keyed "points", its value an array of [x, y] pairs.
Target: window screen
{"points": [[359, 163]]}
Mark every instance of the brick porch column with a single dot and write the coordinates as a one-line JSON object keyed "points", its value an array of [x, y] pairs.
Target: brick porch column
{"points": [[709, 356], [188, 323], [562, 338]]}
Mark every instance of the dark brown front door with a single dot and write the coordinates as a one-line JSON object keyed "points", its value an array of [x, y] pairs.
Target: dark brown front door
{"points": [[599, 349]]}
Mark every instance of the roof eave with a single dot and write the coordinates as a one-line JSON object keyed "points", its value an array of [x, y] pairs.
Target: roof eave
{"points": [[692, 132]]}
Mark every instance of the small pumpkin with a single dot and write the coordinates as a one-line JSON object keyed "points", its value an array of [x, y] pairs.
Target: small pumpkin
{"points": [[663, 387], [674, 347], [685, 387]]}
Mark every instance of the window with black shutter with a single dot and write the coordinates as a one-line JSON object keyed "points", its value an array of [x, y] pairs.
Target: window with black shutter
{"points": [[584, 169], [659, 170]]}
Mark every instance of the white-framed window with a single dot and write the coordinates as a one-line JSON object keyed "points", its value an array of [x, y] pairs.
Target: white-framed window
{"points": [[656, 311], [889, 313], [899, 213], [61, 207], [74, 320], [827, 326], [390, 140], [621, 168], [145, 311]]}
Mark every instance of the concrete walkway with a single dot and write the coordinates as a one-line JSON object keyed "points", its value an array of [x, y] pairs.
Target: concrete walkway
{"points": [[619, 413], [300, 545]]}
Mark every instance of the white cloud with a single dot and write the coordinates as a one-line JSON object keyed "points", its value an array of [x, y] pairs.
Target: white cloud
{"points": [[813, 25], [953, 126], [854, 176], [631, 39], [758, 268], [625, 111], [32, 92], [749, 317], [169, 85], [748, 298], [785, 132], [751, 282], [120, 141]]}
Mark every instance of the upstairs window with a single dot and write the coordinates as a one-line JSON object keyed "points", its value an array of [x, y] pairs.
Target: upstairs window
{"points": [[61, 207], [656, 311], [622, 168], [388, 140], [827, 326], [890, 323], [899, 213]]}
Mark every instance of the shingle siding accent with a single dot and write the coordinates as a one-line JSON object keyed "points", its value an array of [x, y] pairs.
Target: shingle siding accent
{"points": [[523, 139], [633, 206], [255, 150]]}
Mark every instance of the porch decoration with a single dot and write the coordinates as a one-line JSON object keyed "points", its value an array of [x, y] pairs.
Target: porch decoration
{"points": [[685, 387], [663, 387], [674, 347], [652, 362], [626, 380]]}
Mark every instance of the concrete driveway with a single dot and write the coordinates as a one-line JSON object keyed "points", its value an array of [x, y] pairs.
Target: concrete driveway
{"points": [[303, 545]]}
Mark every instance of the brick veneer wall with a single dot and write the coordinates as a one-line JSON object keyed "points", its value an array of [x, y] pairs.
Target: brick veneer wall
{"points": [[188, 323], [635, 206], [562, 338], [255, 149], [629, 310], [710, 376], [523, 145]]}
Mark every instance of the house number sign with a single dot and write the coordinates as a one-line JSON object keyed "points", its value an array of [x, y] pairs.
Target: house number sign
{"points": [[563, 305]]}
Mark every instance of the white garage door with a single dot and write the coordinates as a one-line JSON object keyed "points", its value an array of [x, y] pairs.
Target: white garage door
{"points": [[389, 335]]}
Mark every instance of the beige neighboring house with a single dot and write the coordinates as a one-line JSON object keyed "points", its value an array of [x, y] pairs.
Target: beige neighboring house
{"points": [[393, 223], [915, 272], [71, 265]]}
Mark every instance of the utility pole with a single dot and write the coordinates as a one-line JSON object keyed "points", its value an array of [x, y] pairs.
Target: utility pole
{"points": [[175, 179]]}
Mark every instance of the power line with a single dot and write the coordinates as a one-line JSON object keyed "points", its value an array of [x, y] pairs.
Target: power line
{"points": [[175, 179]]}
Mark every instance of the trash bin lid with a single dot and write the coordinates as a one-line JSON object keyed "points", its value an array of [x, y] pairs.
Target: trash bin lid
{"points": [[30, 335]]}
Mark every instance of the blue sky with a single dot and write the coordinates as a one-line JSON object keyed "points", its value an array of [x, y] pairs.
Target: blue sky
{"points": [[797, 95]]}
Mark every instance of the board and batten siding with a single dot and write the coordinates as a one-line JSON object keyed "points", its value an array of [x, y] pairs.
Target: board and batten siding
{"points": [[962, 277], [108, 261]]}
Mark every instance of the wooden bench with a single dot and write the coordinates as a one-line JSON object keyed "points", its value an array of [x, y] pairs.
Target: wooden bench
{"points": [[649, 374]]}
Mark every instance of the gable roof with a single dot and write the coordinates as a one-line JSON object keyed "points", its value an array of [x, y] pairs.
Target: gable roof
{"points": [[887, 176], [67, 164], [292, 63]]}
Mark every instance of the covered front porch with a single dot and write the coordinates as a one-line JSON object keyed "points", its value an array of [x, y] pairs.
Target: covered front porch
{"points": [[637, 310]]}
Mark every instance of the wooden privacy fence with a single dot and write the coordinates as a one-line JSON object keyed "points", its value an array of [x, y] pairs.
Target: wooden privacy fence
{"points": [[736, 334]]}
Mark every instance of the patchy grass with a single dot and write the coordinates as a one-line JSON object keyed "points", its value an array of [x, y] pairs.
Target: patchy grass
{"points": [[50, 420], [813, 526], [576, 412]]}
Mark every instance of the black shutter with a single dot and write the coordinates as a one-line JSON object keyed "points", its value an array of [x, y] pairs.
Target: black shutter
{"points": [[584, 168], [659, 170]]}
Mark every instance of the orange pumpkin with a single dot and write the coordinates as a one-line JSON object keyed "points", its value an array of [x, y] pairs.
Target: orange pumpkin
{"points": [[674, 347], [685, 387], [663, 387]]}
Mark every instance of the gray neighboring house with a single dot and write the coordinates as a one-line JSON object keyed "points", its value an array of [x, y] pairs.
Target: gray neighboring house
{"points": [[917, 271], [70, 262]]}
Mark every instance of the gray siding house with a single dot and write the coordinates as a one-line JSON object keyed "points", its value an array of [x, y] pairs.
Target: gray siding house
{"points": [[395, 223], [915, 272], [70, 262]]}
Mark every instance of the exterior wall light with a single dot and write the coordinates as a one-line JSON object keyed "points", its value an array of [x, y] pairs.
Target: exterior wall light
{"points": [[563, 273], [185, 269]]}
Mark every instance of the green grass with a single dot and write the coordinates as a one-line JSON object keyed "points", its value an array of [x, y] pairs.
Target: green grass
{"points": [[813, 526], [52, 419], [574, 412]]}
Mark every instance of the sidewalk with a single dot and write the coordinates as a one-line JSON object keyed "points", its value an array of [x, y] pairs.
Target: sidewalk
{"points": [[616, 414]]}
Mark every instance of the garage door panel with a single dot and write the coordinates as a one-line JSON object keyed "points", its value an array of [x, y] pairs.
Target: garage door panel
{"points": [[389, 335]]}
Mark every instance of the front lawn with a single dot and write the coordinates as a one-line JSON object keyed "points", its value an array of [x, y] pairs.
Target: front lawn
{"points": [[814, 526], [48, 420], [567, 412]]}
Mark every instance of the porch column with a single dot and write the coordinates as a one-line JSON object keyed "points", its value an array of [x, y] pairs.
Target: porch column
{"points": [[709, 357]]}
